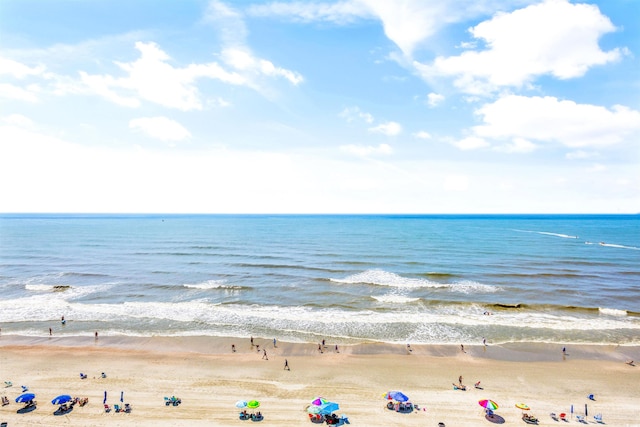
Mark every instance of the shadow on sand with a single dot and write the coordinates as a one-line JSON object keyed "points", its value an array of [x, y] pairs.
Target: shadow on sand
{"points": [[26, 409], [495, 418]]}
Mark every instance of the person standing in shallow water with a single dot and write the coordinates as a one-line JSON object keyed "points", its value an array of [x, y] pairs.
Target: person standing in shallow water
{"points": [[286, 365]]}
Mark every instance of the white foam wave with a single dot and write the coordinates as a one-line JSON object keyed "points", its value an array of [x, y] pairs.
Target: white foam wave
{"points": [[385, 278], [612, 245], [210, 284], [564, 236], [432, 323], [547, 233], [612, 312], [471, 287], [394, 299], [46, 288]]}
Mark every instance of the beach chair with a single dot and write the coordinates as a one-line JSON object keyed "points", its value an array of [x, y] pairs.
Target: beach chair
{"points": [[553, 416], [83, 376], [598, 418], [107, 408], [591, 397], [8, 384], [127, 408], [5, 401], [24, 388], [581, 419], [563, 416], [117, 408]]}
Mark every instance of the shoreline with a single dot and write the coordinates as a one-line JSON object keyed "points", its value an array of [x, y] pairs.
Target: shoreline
{"points": [[214, 345], [210, 378]]}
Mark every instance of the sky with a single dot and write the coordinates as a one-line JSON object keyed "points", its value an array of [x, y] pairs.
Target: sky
{"points": [[348, 106]]}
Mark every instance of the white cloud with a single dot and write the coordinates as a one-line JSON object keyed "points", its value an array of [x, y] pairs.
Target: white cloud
{"points": [[471, 143], [422, 135], [352, 113], [597, 167], [367, 150], [517, 145], [433, 99], [342, 12], [19, 70], [580, 154], [18, 120], [407, 23], [456, 183], [10, 91], [243, 60], [554, 38], [388, 128], [161, 128], [547, 119]]}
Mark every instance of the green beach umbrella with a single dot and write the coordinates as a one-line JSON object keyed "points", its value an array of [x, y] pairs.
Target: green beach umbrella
{"points": [[253, 404]]}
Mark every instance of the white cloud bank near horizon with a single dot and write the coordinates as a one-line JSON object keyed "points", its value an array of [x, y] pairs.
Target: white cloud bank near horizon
{"points": [[266, 107]]}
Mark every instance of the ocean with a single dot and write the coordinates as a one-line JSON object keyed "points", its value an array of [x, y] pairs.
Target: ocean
{"points": [[419, 279]]}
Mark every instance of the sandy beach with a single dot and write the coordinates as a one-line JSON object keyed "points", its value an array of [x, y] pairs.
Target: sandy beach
{"points": [[210, 378]]}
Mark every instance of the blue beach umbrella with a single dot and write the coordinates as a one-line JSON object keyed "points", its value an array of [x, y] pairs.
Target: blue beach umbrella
{"points": [[25, 397], [122, 396], [105, 397], [329, 407], [63, 398], [398, 396]]}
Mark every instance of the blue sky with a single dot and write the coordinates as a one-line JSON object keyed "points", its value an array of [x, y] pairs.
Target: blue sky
{"points": [[353, 106]]}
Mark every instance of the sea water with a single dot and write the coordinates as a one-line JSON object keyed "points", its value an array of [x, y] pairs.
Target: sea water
{"points": [[345, 278]]}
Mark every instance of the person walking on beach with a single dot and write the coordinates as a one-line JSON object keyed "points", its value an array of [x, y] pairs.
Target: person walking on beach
{"points": [[264, 354], [96, 335], [274, 343], [320, 348], [484, 341], [337, 351], [233, 348], [251, 342], [50, 332], [462, 348], [286, 365]]}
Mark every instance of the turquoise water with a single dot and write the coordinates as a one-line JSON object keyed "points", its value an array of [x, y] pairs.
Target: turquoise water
{"points": [[347, 278]]}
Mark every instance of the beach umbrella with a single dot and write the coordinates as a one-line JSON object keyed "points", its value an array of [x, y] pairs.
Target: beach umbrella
{"points": [[122, 396], [25, 397], [253, 404], [488, 404], [314, 409], [63, 398], [241, 404], [397, 396], [105, 397], [318, 401], [329, 407], [522, 406]]}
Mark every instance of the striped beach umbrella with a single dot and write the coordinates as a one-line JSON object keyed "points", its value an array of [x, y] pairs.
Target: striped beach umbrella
{"points": [[488, 404]]}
